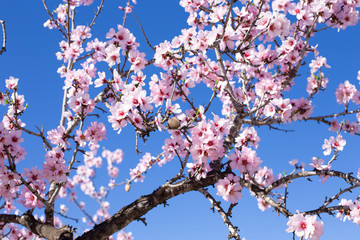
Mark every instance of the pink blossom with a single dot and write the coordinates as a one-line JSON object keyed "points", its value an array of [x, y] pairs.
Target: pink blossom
{"points": [[229, 188], [113, 171], [301, 109], [334, 125], [144, 164], [119, 113], [336, 144], [49, 24], [351, 127], [198, 170], [206, 142], [80, 33], [355, 212], [316, 64], [81, 103], [101, 80], [264, 176], [248, 137], [316, 83], [246, 161], [343, 215], [113, 157], [55, 170], [158, 121], [305, 226], [122, 235], [56, 136], [96, 132], [33, 175], [345, 92], [112, 55], [163, 57], [293, 162], [80, 138], [279, 25], [11, 83], [137, 60], [262, 205], [317, 163]]}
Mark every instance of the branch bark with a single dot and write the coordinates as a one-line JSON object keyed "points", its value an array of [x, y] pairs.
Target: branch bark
{"points": [[145, 203], [3, 49], [42, 229]]}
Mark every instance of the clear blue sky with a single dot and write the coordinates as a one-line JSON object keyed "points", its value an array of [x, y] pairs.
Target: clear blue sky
{"points": [[31, 57]]}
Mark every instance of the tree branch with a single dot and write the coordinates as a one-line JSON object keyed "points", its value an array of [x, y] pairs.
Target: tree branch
{"points": [[233, 229], [145, 203], [3, 49], [39, 228]]}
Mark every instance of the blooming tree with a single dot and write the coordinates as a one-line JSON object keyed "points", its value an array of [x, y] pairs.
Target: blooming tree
{"points": [[245, 54]]}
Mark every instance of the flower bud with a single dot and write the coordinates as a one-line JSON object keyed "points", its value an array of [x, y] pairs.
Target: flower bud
{"points": [[173, 123], [127, 187]]}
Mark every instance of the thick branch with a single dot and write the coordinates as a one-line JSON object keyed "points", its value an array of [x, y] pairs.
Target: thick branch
{"points": [[35, 226], [144, 204]]}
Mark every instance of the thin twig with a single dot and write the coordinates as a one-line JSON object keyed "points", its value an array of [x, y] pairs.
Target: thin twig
{"points": [[142, 29], [3, 49], [97, 13], [52, 19]]}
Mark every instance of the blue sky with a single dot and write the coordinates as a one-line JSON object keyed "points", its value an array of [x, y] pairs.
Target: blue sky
{"points": [[31, 57]]}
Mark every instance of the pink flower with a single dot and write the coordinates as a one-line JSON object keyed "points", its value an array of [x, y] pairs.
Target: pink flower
{"points": [[80, 33], [55, 170], [355, 212], [113, 171], [122, 235], [293, 162], [33, 175], [163, 55], [11, 83], [317, 163], [264, 176], [198, 170], [341, 213], [316, 64], [80, 138], [81, 103], [57, 136], [305, 226], [158, 121], [301, 109], [101, 80], [112, 55], [334, 125], [336, 144], [96, 132], [279, 25], [248, 137], [246, 161], [206, 142], [345, 92], [262, 205], [137, 60], [229, 188], [351, 127]]}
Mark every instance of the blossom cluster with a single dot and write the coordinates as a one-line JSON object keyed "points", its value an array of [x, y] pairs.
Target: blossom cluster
{"points": [[259, 48], [305, 226], [229, 188]]}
